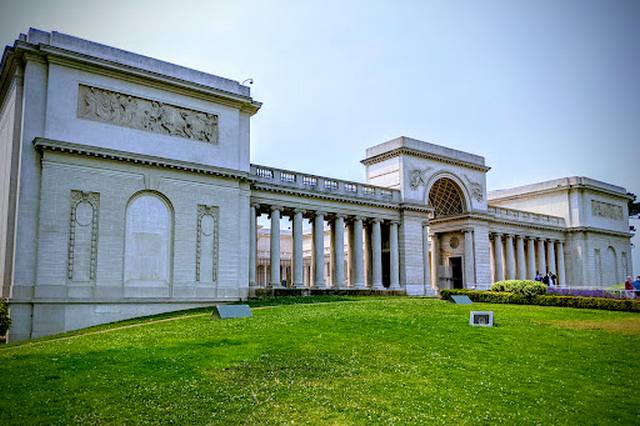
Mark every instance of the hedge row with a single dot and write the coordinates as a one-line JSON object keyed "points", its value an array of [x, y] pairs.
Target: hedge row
{"points": [[5, 321], [483, 296]]}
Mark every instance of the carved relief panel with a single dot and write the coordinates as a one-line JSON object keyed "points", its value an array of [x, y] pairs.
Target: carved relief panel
{"points": [[83, 236], [143, 114], [608, 210], [207, 244]]}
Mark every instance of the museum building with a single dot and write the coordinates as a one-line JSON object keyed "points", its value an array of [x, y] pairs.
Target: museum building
{"points": [[126, 190]]}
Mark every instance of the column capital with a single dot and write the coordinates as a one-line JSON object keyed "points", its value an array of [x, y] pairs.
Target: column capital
{"points": [[274, 208], [320, 213], [375, 220], [425, 223], [302, 211], [256, 206], [467, 230], [340, 215], [496, 234], [394, 222], [508, 235]]}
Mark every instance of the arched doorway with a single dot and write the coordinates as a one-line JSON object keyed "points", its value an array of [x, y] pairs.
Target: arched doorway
{"points": [[449, 267]]}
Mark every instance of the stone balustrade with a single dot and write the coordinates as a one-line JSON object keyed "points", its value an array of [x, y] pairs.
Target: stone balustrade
{"points": [[527, 217], [324, 185]]}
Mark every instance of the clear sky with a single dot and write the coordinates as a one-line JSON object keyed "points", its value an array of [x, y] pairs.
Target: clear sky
{"points": [[541, 88]]}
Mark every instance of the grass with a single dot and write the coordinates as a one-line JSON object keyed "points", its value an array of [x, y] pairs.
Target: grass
{"points": [[351, 361]]}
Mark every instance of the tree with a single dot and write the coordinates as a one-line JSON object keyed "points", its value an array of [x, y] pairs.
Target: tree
{"points": [[634, 206]]}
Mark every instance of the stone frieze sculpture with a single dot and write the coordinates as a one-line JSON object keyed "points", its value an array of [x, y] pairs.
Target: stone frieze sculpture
{"points": [[476, 189], [418, 177], [602, 209], [143, 114]]}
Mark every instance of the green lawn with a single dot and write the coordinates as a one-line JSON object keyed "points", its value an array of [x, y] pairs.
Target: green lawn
{"points": [[354, 361]]}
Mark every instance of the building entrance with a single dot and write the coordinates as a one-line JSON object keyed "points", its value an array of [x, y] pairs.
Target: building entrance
{"points": [[455, 264]]}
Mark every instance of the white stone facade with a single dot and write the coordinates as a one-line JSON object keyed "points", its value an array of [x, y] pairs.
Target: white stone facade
{"points": [[126, 190]]}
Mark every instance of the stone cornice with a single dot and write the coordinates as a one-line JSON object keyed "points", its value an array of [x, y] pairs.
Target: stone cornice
{"points": [[420, 154], [579, 186], [527, 225], [44, 144], [417, 208], [593, 229], [57, 55]]}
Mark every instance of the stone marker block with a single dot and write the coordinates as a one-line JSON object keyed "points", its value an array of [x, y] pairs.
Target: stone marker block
{"points": [[461, 300], [232, 311], [481, 318]]}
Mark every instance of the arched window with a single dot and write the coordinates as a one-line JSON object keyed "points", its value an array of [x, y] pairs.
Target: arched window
{"points": [[611, 267], [446, 198], [148, 242]]}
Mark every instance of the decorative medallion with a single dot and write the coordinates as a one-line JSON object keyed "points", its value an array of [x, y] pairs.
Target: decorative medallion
{"points": [[454, 242]]}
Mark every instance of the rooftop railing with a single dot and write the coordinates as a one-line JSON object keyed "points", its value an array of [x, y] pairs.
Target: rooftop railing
{"points": [[322, 184], [523, 216]]}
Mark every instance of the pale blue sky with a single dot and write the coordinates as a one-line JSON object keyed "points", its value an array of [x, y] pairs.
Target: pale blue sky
{"points": [[541, 88]]}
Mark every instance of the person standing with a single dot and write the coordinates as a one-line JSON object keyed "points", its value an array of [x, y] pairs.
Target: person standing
{"points": [[545, 279]]}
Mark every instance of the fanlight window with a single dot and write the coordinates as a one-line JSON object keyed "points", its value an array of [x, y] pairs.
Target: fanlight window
{"points": [[446, 198]]}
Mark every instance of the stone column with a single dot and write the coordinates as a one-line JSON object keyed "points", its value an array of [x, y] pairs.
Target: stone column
{"points": [[531, 258], [356, 260], [298, 262], [253, 242], [562, 273], [499, 259], [367, 255], [376, 255], [426, 276], [469, 261], [318, 250], [337, 251], [551, 256], [275, 246], [435, 254], [394, 260], [511, 258], [542, 263], [522, 269]]}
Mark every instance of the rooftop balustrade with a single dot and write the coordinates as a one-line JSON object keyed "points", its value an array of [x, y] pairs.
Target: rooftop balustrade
{"points": [[523, 216], [324, 185]]}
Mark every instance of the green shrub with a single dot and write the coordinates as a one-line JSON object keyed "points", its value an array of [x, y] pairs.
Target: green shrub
{"points": [[525, 288], [580, 302], [5, 321]]}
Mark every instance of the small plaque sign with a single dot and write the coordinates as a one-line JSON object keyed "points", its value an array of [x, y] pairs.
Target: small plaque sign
{"points": [[481, 318], [232, 311], [461, 300]]}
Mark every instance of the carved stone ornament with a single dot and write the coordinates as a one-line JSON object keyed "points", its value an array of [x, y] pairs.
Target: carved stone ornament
{"points": [[85, 207], [207, 228], [608, 210], [143, 114], [476, 189], [418, 177]]}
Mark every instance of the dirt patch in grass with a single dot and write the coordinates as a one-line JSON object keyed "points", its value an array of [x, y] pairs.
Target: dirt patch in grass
{"points": [[627, 326]]}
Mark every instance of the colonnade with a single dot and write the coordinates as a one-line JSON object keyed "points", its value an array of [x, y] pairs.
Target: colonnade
{"points": [[521, 257], [364, 241]]}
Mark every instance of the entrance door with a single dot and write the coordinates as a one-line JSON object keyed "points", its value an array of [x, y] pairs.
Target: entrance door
{"points": [[456, 271]]}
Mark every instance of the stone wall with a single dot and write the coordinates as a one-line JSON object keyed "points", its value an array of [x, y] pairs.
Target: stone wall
{"points": [[157, 236]]}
